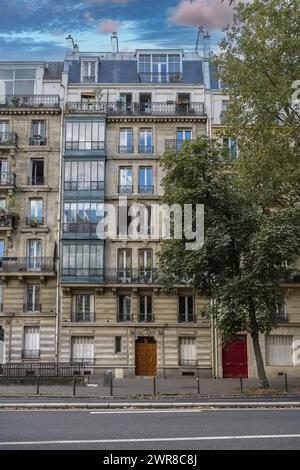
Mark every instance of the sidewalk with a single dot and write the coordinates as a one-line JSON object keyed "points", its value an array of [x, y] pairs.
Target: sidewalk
{"points": [[141, 387]]}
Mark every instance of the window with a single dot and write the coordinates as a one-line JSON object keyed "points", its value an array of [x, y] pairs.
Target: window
{"points": [[124, 313], [32, 298], [186, 308], [183, 135], [126, 102], [31, 342], [82, 260], [83, 349], [5, 137], [37, 173], [124, 265], [38, 133], [2, 204], [118, 344], [1, 251], [187, 352], [159, 67], [145, 227], [145, 262], [34, 255], [84, 176], [82, 216], [88, 72], [125, 180], [83, 308], [85, 135], [35, 216], [126, 141], [145, 308], [17, 81], [1, 302], [3, 172], [145, 180], [145, 103], [145, 141], [230, 148], [279, 350]]}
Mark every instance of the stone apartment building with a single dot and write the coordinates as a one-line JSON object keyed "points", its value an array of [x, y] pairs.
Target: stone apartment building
{"points": [[83, 133], [30, 123]]}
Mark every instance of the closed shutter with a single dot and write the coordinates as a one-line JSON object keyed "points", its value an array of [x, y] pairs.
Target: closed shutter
{"points": [[187, 351], [279, 350], [83, 348], [31, 338]]}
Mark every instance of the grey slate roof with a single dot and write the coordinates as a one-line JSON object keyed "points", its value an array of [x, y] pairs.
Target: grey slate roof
{"points": [[53, 70]]}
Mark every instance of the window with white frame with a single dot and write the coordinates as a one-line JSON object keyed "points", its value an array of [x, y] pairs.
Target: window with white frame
{"points": [[126, 141], [159, 67], [187, 351], [3, 172], [279, 351], [88, 71], [81, 135], [83, 349], [84, 176], [125, 180], [145, 308], [83, 307], [82, 259], [186, 308], [32, 298], [31, 342], [35, 213], [124, 308], [17, 81]]}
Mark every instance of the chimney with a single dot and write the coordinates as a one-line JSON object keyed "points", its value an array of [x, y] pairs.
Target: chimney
{"points": [[114, 42], [206, 44]]}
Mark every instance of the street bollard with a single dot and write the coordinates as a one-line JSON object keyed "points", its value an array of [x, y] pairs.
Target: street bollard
{"points": [[241, 384], [198, 385], [74, 387], [154, 385], [111, 385], [38, 385], [286, 382]]}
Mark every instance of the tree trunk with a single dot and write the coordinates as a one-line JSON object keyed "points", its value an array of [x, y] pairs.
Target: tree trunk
{"points": [[261, 372]]}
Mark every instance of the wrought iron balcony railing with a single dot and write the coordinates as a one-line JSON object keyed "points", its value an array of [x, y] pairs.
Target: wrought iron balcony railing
{"points": [[146, 149], [34, 221], [146, 189], [80, 227], [125, 188], [36, 180], [34, 264], [114, 276], [8, 139], [124, 317], [175, 145], [89, 79], [167, 108], [160, 77], [8, 179], [6, 219], [126, 149], [37, 140], [84, 317], [84, 185], [82, 361], [283, 317], [30, 353], [188, 362], [32, 307], [186, 318], [146, 317], [85, 145], [30, 101]]}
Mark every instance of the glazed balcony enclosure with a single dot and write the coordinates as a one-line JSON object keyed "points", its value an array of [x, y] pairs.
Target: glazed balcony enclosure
{"points": [[110, 276]]}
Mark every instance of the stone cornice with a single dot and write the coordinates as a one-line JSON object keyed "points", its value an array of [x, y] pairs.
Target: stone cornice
{"points": [[34, 111], [159, 119]]}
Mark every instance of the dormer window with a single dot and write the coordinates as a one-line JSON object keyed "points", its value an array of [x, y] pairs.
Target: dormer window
{"points": [[161, 68], [88, 71]]}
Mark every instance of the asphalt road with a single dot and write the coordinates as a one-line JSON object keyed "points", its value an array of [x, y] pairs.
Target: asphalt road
{"points": [[151, 430]]}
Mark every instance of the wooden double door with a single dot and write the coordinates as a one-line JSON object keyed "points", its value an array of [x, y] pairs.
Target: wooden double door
{"points": [[145, 356]]}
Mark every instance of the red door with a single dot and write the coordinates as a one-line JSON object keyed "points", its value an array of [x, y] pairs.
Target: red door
{"points": [[234, 358]]}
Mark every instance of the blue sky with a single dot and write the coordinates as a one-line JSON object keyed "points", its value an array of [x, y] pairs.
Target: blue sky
{"points": [[36, 29]]}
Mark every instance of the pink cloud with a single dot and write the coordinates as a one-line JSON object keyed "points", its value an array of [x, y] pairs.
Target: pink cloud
{"points": [[109, 26], [208, 13]]}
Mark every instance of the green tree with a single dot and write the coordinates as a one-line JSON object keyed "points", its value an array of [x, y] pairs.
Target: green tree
{"points": [[259, 65], [246, 250]]}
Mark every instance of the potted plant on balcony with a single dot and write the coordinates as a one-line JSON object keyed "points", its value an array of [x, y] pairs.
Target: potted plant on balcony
{"points": [[33, 221], [15, 100]]}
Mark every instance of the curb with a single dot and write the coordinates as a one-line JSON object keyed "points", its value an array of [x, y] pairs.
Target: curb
{"points": [[141, 406]]}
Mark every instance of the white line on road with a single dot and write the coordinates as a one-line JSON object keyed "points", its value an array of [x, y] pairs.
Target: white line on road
{"points": [[150, 439], [141, 412]]}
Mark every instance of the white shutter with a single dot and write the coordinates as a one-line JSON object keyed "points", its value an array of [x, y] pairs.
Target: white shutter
{"points": [[279, 350], [187, 351], [31, 338]]}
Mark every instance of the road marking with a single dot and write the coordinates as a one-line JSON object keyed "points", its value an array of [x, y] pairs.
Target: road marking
{"points": [[150, 439], [124, 412]]}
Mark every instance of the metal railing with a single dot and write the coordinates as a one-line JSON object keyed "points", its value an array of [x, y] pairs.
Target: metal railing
{"points": [[283, 317], [167, 108], [125, 188], [30, 101], [34, 221], [36, 180], [89, 79], [84, 185], [32, 307], [37, 264], [80, 227], [146, 149], [84, 317], [160, 77], [186, 318], [145, 317], [115, 276], [42, 369], [8, 179], [175, 145], [8, 139], [85, 145], [126, 149], [146, 189], [30, 353], [6, 219], [188, 362], [124, 317], [37, 140]]}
